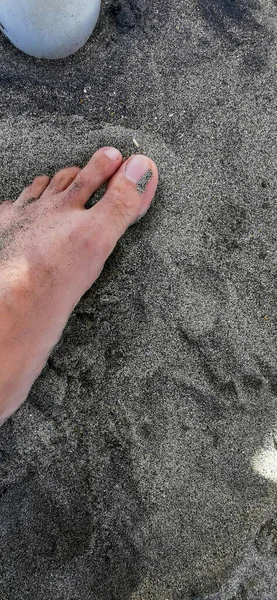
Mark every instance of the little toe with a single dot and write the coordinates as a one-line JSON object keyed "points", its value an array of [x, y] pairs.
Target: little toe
{"points": [[6, 212], [33, 191]]}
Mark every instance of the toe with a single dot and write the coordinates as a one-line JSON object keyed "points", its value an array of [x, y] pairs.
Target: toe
{"points": [[33, 191], [103, 164], [6, 211], [62, 180], [128, 196]]}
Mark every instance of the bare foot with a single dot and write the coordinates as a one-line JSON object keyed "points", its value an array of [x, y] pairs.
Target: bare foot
{"points": [[52, 250]]}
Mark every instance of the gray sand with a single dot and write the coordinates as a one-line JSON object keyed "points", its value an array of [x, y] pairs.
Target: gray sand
{"points": [[128, 474]]}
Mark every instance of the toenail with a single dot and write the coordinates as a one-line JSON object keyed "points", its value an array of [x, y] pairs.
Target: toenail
{"points": [[137, 168], [113, 153]]}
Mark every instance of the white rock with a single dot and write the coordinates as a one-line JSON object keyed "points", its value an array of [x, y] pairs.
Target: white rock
{"points": [[49, 29]]}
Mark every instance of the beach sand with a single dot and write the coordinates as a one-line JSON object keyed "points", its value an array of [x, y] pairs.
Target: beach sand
{"points": [[143, 464]]}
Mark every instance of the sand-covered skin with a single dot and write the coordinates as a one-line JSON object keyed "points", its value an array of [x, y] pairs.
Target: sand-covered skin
{"points": [[128, 474]]}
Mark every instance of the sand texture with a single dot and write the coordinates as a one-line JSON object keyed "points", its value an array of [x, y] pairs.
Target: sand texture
{"points": [[143, 464]]}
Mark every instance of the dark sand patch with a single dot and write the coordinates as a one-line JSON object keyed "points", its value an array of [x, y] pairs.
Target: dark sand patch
{"points": [[127, 474], [142, 184]]}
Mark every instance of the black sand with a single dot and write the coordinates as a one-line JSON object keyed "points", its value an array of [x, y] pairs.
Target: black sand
{"points": [[128, 474]]}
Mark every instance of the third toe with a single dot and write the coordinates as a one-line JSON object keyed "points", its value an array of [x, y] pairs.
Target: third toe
{"points": [[62, 180]]}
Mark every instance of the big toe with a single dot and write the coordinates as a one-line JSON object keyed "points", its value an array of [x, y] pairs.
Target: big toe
{"points": [[128, 197]]}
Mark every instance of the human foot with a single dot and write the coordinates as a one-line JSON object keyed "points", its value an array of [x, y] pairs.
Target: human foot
{"points": [[52, 250]]}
